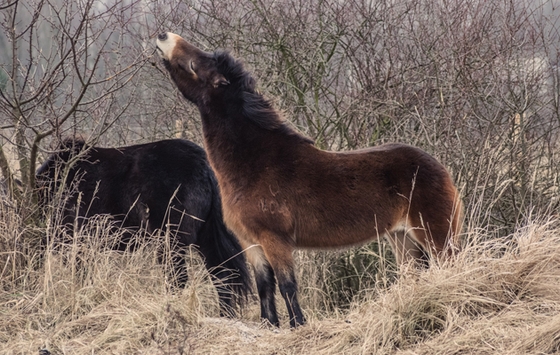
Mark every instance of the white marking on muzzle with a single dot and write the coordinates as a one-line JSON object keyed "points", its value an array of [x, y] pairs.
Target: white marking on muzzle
{"points": [[167, 45]]}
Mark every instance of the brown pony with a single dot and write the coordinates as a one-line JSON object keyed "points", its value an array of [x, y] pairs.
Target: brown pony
{"points": [[281, 192]]}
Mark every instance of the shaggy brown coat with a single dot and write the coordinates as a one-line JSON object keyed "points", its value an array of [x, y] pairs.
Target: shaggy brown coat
{"points": [[281, 192]]}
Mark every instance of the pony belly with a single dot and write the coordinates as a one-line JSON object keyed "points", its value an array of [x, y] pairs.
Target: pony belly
{"points": [[338, 237], [327, 233]]}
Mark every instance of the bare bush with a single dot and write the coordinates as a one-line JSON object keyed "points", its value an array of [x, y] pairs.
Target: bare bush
{"points": [[69, 68]]}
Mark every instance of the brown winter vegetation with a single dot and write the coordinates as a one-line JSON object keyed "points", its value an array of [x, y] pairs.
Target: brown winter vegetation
{"points": [[474, 83], [499, 296]]}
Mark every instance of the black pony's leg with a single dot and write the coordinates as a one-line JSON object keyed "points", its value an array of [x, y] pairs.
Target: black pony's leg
{"points": [[181, 233], [174, 261], [180, 267], [227, 266], [222, 277]]}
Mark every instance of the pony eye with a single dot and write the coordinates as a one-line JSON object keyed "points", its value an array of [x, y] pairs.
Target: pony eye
{"points": [[192, 66]]}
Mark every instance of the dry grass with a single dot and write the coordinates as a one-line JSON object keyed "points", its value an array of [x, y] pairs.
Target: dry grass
{"points": [[499, 296]]}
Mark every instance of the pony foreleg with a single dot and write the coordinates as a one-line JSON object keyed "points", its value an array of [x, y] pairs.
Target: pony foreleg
{"points": [[279, 255], [266, 282], [288, 289]]}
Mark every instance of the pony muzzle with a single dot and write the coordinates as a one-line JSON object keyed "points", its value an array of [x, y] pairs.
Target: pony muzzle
{"points": [[165, 44]]}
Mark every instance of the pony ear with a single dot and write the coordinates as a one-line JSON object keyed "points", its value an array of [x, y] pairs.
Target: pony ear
{"points": [[219, 80], [186, 65]]}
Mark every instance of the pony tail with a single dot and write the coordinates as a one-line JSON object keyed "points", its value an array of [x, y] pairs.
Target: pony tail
{"points": [[457, 224], [224, 255]]}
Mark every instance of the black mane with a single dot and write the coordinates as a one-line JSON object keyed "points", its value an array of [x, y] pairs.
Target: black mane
{"points": [[255, 107]]}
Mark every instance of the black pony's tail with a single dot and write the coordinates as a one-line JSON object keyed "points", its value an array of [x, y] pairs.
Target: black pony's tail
{"points": [[224, 258]]}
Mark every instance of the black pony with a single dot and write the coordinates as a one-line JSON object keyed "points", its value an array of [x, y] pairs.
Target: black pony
{"points": [[153, 186]]}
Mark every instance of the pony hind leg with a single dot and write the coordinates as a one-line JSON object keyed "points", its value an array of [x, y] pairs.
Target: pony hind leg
{"points": [[436, 221], [221, 278], [406, 249], [435, 233], [178, 260], [219, 275]]}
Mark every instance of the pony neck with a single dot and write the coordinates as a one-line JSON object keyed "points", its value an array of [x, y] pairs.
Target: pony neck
{"points": [[234, 140]]}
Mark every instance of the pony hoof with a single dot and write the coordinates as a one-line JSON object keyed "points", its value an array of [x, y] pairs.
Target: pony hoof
{"points": [[267, 324]]}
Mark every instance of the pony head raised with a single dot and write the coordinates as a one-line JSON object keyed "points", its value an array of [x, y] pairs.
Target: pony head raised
{"points": [[194, 71]]}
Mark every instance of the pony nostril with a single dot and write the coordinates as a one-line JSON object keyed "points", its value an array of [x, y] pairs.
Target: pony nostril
{"points": [[162, 36]]}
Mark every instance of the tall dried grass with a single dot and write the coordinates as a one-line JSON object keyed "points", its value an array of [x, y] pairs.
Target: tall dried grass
{"points": [[498, 296]]}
